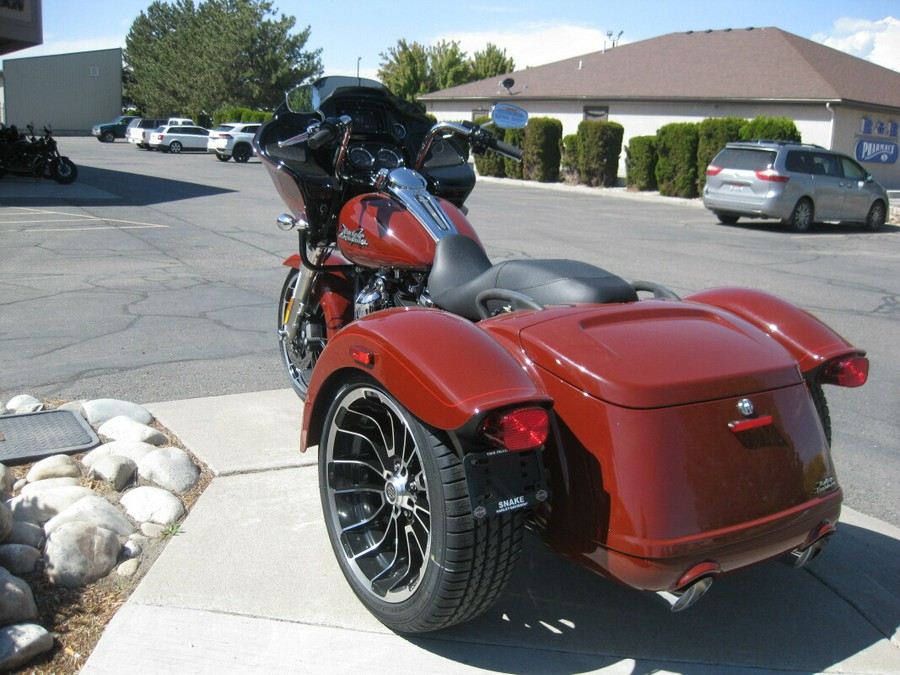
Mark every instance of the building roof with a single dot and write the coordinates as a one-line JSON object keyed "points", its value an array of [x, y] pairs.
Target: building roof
{"points": [[742, 64]]}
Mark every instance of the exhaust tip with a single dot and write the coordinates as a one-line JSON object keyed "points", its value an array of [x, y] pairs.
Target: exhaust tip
{"points": [[678, 601], [805, 556]]}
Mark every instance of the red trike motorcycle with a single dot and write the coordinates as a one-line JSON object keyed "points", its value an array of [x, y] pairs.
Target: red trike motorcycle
{"points": [[659, 441]]}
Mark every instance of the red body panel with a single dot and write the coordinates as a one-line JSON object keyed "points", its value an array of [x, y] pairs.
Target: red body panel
{"points": [[807, 339], [647, 479], [375, 230], [443, 368]]}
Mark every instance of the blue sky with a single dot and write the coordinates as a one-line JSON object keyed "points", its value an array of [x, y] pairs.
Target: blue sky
{"points": [[533, 32]]}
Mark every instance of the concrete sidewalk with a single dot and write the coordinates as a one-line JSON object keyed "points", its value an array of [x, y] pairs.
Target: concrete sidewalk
{"points": [[251, 585]]}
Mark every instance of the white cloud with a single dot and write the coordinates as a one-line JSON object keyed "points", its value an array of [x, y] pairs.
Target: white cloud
{"points": [[533, 44], [876, 41]]}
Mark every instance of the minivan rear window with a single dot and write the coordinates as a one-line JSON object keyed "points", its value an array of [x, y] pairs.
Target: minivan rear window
{"points": [[746, 159]]}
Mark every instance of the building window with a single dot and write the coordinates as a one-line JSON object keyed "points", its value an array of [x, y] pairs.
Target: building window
{"points": [[597, 113]]}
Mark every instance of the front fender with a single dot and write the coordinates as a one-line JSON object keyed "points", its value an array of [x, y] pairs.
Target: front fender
{"points": [[806, 338], [444, 369]]}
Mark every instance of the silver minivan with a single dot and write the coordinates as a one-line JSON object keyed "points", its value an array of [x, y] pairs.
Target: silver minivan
{"points": [[794, 183]]}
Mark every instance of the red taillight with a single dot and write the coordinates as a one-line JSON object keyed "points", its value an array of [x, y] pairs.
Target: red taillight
{"points": [[362, 356], [772, 176], [851, 372], [521, 429], [225, 136], [713, 170]]}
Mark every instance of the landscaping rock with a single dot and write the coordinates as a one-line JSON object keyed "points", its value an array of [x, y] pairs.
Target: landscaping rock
{"points": [[128, 568], [21, 643], [116, 470], [171, 469], [55, 466], [42, 506], [153, 504], [6, 521], [19, 558], [101, 410], [133, 450], [7, 480], [30, 534], [47, 484], [123, 428], [16, 600], [93, 510], [24, 403], [77, 554]]}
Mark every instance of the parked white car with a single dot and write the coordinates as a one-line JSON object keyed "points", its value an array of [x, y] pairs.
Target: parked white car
{"points": [[139, 130], [232, 139], [174, 139]]}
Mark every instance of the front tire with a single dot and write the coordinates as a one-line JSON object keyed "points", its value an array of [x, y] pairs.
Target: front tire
{"points": [[300, 355], [726, 219], [241, 153], [802, 216], [63, 170], [108, 137], [222, 158], [876, 217], [399, 519]]}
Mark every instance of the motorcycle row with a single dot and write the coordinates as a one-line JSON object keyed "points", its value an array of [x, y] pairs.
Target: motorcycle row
{"points": [[31, 155]]}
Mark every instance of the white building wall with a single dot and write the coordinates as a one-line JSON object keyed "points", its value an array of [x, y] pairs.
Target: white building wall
{"points": [[815, 121]]}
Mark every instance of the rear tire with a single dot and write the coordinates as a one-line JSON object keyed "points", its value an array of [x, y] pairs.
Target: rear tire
{"points": [[399, 518], [726, 219], [877, 217], [222, 158], [802, 216], [175, 147]]}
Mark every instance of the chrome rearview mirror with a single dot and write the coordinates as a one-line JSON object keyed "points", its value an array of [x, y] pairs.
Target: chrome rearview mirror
{"points": [[304, 98], [509, 116]]}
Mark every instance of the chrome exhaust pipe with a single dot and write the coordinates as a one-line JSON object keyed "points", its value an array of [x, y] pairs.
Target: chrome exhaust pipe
{"points": [[680, 600], [803, 557]]}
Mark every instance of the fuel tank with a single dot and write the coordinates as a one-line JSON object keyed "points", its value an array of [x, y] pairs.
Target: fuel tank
{"points": [[380, 230]]}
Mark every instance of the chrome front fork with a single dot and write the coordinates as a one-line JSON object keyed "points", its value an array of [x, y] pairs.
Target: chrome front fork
{"points": [[300, 297]]}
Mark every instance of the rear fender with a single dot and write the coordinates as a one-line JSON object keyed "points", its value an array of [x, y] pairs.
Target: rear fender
{"points": [[445, 370], [812, 344]]}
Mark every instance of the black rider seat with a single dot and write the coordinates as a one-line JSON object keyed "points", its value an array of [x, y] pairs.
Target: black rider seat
{"points": [[462, 270]]}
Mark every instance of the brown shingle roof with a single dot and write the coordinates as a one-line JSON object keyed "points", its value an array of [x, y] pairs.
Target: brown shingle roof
{"points": [[740, 64]]}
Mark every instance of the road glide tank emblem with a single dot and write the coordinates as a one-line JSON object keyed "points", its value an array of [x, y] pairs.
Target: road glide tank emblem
{"points": [[357, 237]]}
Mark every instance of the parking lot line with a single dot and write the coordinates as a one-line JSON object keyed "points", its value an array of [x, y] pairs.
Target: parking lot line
{"points": [[10, 219]]}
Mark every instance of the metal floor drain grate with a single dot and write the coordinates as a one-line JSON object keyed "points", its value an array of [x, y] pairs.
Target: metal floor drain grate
{"points": [[30, 436]]}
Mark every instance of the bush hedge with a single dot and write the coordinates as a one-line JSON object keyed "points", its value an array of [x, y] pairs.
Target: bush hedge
{"points": [[542, 149], [599, 148], [770, 128], [240, 115], [714, 133], [640, 163], [513, 168], [676, 168], [569, 158], [490, 163]]}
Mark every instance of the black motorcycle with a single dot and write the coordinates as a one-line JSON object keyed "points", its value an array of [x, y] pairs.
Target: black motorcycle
{"points": [[26, 155]]}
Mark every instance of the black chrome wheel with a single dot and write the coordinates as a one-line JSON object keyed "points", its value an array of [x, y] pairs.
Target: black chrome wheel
{"points": [[399, 518]]}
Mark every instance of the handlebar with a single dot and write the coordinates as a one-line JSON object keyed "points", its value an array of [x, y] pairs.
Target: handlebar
{"points": [[481, 140]]}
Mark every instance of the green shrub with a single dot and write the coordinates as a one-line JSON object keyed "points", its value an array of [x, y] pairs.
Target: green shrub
{"points": [[600, 145], [714, 133], [771, 129], [512, 167], [569, 159], [542, 154], [676, 168], [640, 163], [490, 163]]}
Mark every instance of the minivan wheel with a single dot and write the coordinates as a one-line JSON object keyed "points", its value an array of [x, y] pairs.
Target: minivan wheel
{"points": [[802, 216], [726, 220], [877, 216]]}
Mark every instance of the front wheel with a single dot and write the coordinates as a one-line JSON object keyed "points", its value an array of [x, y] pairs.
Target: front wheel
{"points": [[725, 219], [299, 356], [222, 158], [63, 170], [399, 518], [877, 216], [108, 137]]}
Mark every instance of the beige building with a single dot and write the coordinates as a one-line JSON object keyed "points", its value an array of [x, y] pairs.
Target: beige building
{"points": [[837, 101], [71, 92]]}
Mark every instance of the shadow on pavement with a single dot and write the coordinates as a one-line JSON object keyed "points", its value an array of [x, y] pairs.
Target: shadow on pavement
{"points": [[770, 617], [96, 186]]}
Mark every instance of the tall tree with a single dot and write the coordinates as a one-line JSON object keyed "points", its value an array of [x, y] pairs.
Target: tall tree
{"points": [[249, 56], [404, 69], [491, 62], [447, 66]]}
